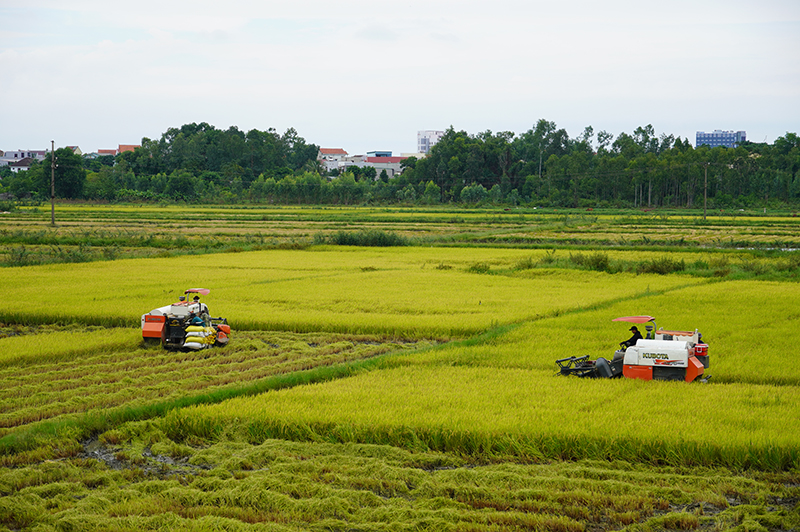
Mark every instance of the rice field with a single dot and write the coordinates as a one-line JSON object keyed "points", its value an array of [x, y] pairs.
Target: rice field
{"points": [[403, 388], [416, 292], [156, 229], [501, 393], [63, 375], [289, 486]]}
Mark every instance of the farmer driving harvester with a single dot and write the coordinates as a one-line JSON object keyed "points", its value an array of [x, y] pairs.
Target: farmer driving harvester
{"points": [[672, 355], [199, 312], [185, 325], [633, 339]]}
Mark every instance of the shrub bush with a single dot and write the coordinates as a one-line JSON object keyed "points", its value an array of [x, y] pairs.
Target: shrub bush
{"points": [[479, 267], [662, 266], [597, 261], [369, 237]]}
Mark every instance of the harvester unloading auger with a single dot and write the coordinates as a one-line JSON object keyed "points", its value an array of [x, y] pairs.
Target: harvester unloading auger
{"points": [[185, 324], [661, 355]]}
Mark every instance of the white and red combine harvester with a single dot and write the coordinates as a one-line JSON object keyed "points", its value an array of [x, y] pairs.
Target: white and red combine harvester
{"points": [[661, 355], [185, 324]]}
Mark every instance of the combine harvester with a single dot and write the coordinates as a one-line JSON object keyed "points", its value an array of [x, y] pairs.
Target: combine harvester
{"points": [[185, 324], [661, 355]]}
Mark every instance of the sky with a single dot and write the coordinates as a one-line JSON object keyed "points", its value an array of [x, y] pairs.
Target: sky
{"points": [[367, 75]]}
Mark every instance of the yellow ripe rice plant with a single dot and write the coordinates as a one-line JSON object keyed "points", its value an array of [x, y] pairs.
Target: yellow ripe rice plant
{"points": [[487, 411], [750, 327], [52, 346], [501, 394], [401, 291]]}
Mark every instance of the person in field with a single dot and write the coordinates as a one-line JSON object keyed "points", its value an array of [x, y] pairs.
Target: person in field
{"points": [[201, 311], [633, 339]]}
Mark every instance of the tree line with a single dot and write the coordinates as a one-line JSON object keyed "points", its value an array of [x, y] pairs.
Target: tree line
{"points": [[542, 166]]}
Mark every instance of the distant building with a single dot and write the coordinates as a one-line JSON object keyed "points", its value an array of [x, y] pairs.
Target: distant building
{"points": [[379, 154], [101, 153], [727, 139], [381, 162], [427, 138], [9, 158], [331, 154], [76, 150], [127, 147], [331, 157], [21, 165], [22, 154], [388, 163]]}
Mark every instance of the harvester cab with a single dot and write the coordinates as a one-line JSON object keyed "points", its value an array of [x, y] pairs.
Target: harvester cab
{"points": [[660, 355], [185, 324]]}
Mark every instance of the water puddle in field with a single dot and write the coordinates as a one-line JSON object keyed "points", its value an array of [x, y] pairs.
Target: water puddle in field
{"points": [[154, 464]]}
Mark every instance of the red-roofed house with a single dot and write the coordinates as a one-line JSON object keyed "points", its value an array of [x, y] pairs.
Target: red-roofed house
{"points": [[107, 152], [128, 147], [390, 164], [331, 157], [389, 160], [331, 152]]}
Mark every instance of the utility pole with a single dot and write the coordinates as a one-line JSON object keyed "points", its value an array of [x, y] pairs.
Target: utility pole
{"points": [[705, 192], [53, 183]]}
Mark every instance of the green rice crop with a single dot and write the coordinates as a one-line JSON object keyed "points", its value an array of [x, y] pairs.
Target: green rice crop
{"points": [[514, 446], [200, 227]]}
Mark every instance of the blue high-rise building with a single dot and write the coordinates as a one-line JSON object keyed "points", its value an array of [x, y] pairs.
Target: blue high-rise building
{"points": [[728, 139]]}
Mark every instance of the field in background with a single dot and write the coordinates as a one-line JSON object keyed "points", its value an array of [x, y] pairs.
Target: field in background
{"points": [[407, 387], [103, 232]]}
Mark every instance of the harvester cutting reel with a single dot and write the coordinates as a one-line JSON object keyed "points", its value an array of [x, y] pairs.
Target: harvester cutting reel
{"points": [[593, 369]]}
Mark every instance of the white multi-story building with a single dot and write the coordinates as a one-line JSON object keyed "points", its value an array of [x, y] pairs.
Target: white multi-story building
{"points": [[331, 157], [21, 159], [18, 155], [427, 138]]}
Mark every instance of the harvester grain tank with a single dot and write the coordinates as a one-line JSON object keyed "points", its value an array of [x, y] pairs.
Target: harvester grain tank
{"points": [[661, 355], [185, 324]]}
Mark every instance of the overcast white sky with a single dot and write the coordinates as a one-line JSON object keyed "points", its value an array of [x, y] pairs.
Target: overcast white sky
{"points": [[367, 74]]}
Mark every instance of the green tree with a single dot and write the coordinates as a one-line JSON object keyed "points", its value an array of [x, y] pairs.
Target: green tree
{"points": [[432, 193], [180, 185], [70, 175]]}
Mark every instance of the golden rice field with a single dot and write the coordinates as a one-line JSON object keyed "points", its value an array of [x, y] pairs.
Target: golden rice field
{"points": [[412, 292], [501, 393], [403, 388]]}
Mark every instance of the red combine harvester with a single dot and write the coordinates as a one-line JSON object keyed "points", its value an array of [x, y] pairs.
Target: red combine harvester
{"points": [[185, 324], [661, 355]]}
